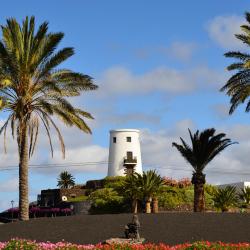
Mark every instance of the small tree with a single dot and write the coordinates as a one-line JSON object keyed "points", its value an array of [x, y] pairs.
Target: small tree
{"points": [[245, 196], [224, 198], [205, 146], [150, 184], [65, 180], [131, 189], [106, 200]]}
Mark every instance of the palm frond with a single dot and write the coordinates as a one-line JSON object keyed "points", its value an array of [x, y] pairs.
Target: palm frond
{"points": [[238, 55], [205, 146]]}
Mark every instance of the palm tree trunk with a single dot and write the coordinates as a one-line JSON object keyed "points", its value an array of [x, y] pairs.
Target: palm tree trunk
{"points": [[148, 206], [134, 206], [155, 205], [23, 172], [199, 202], [198, 180]]}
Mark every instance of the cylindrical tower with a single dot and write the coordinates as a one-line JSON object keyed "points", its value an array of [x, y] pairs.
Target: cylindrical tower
{"points": [[124, 151]]}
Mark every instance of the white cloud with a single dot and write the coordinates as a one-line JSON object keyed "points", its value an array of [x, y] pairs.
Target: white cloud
{"points": [[222, 30], [121, 81], [232, 165], [207, 78], [79, 148], [221, 110], [10, 185], [117, 119], [157, 150], [91, 159], [182, 51]]}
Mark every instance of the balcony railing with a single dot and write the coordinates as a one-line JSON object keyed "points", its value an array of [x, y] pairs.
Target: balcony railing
{"points": [[130, 160]]}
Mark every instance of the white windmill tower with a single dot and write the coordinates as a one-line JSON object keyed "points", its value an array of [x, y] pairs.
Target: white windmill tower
{"points": [[124, 152]]}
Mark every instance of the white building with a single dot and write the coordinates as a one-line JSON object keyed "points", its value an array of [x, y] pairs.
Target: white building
{"points": [[238, 185], [124, 152]]}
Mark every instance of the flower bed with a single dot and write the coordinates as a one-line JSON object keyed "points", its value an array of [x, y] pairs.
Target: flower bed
{"points": [[40, 212], [32, 245]]}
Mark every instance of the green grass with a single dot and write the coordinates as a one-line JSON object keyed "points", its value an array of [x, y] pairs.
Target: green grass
{"points": [[78, 198]]}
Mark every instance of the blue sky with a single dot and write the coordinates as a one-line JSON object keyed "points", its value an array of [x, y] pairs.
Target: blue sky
{"points": [[159, 66]]}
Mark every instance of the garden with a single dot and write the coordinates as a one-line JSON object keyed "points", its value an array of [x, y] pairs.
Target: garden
{"points": [[35, 212], [172, 195], [33, 245]]}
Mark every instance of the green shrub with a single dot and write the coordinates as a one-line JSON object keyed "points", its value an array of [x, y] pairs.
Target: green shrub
{"points": [[172, 197], [244, 197], [78, 198], [225, 198], [107, 200], [113, 181]]}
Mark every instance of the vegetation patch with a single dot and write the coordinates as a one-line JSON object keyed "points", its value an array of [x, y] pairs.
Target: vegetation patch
{"points": [[33, 245]]}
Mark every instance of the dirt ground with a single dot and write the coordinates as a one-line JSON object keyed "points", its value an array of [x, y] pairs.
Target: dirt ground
{"points": [[170, 228]]}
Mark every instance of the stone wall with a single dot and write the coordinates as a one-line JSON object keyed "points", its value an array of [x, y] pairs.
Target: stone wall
{"points": [[95, 184], [81, 207], [52, 197], [73, 192]]}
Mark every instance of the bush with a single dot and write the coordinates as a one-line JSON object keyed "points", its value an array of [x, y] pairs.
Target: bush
{"points": [[173, 197], [176, 198], [225, 198], [114, 182], [107, 200], [244, 197]]}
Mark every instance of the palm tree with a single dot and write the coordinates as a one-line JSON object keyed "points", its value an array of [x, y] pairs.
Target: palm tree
{"points": [[205, 146], [65, 180], [224, 198], [245, 196], [150, 184], [33, 89], [238, 86], [131, 189]]}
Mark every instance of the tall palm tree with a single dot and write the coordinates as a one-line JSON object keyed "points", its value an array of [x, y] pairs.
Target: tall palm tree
{"points": [[238, 86], [33, 89], [65, 180], [205, 146], [150, 184]]}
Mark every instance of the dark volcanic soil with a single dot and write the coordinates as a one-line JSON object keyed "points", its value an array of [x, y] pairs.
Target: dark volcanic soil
{"points": [[170, 228]]}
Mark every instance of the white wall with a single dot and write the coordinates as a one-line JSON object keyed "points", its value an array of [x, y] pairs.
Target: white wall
{"points": [[118, 150], [238, 185]]}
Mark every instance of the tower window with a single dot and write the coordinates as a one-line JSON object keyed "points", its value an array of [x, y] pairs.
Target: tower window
{"points": [[114, 139], [128, 139]]}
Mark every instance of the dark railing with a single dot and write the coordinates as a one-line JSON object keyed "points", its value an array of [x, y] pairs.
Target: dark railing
{"points": [[130, 160]]}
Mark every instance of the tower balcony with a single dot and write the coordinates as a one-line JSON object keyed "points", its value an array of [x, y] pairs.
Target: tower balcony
{"points": [[130, 161]]}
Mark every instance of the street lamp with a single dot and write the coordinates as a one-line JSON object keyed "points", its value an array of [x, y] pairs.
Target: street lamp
{"points": [[12, 207]]}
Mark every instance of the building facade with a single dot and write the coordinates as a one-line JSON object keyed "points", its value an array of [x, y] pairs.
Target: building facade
{"points": [[124, 152]]}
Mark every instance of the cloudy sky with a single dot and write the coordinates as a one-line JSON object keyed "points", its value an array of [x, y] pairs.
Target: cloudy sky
{"points": [[159, 66]]}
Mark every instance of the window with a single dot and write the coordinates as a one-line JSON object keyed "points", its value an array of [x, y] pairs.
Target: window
{"points": [[114, 139], [128, 139], [129, 155]]}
